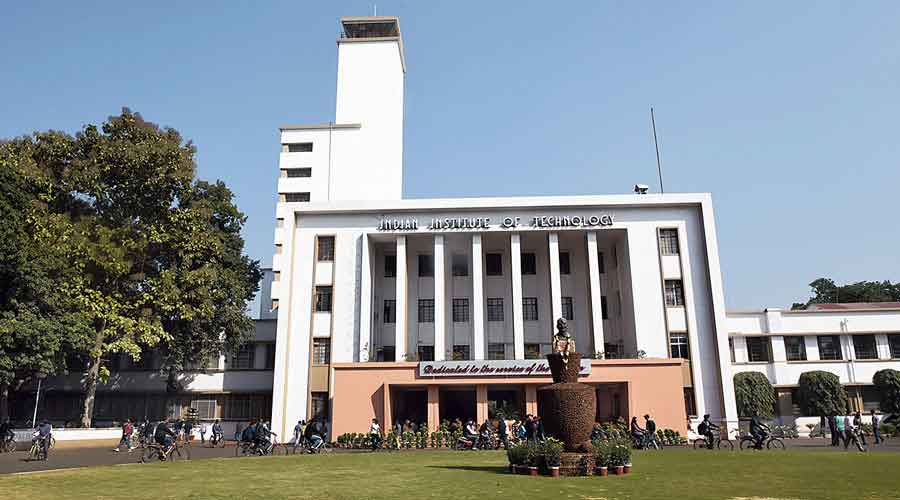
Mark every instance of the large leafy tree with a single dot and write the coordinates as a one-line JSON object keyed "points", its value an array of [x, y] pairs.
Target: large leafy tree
{"points": [[155, 259], [820, 394], [826, 291], [887, 382], [754, 395]]}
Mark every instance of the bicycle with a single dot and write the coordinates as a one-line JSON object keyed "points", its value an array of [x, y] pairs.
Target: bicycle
{"points": [[38, 450], [771, 442], [647, 442], [718, 442], [176, 451], [8, 445], [216, 441]]}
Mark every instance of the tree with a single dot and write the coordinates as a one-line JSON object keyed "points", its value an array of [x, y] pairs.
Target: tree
{"points": [[754, 395], [821, 394], [825, 291], [887, 382]]}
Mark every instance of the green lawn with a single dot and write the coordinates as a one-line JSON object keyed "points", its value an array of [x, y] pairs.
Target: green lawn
{"points": [[671, 474]]}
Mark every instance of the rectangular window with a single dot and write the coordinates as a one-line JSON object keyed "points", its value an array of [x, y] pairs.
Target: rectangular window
{"points": [[532, 351], [426, 353], [319, 405], [829, 347], [298, 172], [674, 293], [321, 351], [206, 408], [270, 356], [460, 310], [529, 263], [243, 359], [758, 349], [426, 310], [390, 311], [894, 343], [300, 147], [323, 298], [459, 265], [426, 266], [564, 264], [678, 345], [529, 309], [568, 308], [731, 348], [795, 348], [602, 264], [604, 310], [864, 347], [689, 406], [496, 351], [668, 241], [461, 353], [325, 248], [296, 197], [495, 309], [390, 266], [493, 264], [387, 353]]}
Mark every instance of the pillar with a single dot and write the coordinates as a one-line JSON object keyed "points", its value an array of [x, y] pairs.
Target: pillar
{"points": [[434, 408], [440, 302], [401, 298], [365, 341], [515, 257], [477, 298], [531, 407], [555, 287], [593, 257], [481, 403]]}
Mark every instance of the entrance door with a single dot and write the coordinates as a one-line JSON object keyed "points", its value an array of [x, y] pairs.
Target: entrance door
{"points": [[457, 403]]}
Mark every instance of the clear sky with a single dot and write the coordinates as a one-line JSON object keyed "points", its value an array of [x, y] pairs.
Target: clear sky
{"points": [[786, 111]]}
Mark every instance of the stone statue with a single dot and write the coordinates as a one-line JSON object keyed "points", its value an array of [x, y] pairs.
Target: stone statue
{"points": [[562, 340]]}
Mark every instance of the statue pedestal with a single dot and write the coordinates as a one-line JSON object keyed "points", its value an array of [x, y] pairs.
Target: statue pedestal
{"points": [[576, 464], [566, 407]]}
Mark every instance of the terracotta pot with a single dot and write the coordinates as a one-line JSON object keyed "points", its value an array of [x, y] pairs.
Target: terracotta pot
{"points": [[620, 470], [627, 468], [554, 471], [532, 471], [601, 471]]}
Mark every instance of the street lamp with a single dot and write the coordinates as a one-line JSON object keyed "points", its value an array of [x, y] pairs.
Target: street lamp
{"points": [[40, 377]]}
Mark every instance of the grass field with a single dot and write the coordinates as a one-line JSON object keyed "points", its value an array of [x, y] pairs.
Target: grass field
{"points": [[683, 474]]}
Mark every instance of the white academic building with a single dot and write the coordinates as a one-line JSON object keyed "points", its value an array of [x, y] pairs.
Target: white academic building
{"points": [[427, 309]]}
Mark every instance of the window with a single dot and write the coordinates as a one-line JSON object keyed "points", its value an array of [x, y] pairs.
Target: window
{"points": [[604, 311], [426, 353], [296, 197], [568, 309], [426, 266], [894, 343], [270, 356], [274, 305], [321, 351], [529, 263], [460, 310], [496, 351], [243, 359], [323, 299], [668, 241], [795, 348], [758, 349], [298, 172], [829, 347], [564, 266], [689, 406], [390, 266], [459, 264], [325, 248], [674, 293], [426, 310], [864, 347], [300, 147], [319, 405], [493, 264], [532, 351], [387, 353], [461, 352], [731, 348], [246, 407], [206, 408], [495, 309], [529, 309], [602, 264], [678, 345], [390, 311]]}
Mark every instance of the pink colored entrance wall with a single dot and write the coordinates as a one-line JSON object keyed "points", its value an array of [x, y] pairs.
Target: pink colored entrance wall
{"points": [[362, 391]]}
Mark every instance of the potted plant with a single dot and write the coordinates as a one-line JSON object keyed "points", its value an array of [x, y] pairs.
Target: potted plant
{"points": [[515, 454], [601, 458], [619, 456], [533, 458], [552, 456]]}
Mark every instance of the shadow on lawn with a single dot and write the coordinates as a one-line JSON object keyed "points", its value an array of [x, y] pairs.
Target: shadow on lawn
{"points": [[474, 468]]}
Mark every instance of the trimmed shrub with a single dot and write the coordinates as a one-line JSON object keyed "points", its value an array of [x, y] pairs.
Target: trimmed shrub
{"points": [[821, 394], [754, 395], [887, 382]]}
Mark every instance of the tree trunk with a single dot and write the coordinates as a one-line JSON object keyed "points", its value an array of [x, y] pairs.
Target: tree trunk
{"points": [[90, 381], [4, 402]]}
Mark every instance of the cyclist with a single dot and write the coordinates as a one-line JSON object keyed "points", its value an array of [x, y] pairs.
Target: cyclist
{"points": [[471, 434], [217, 433], [263, 435], [374, 434], [637, 433], [6, 432], [248, 435], [43, 433], [164, 437], [708, 429], [314, 434], [759, 431], [484, 434]]}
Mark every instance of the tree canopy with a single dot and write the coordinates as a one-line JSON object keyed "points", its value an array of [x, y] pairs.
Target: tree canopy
{"points": [[887, 382], [820, 394], [825, 291], [754, 395]]}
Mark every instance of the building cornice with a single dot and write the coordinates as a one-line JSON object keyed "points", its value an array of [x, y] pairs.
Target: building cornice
{"points": [[321, 126]]}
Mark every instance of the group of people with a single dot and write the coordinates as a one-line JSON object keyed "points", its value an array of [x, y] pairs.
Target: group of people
{"points": [[847, 429], [312, 434], [641, 437], [179, 429]]}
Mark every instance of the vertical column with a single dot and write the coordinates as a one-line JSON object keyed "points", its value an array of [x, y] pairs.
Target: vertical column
{"points": [[595, 293], [440, 306], [555, 288], [481, 403], [401, 298], [365, 341], [477, 298], [515, 257], [531, 399], [434, 408]]}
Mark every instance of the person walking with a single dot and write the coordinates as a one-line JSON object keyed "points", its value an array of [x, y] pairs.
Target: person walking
{"points": [[857, 427], [127, 429], [876, 428], [203, 430], [188, 430], [503, 432], [839, 428], [832, 429]]}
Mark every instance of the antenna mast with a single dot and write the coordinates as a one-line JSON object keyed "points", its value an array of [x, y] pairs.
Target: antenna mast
{"points": [[656, 144]]}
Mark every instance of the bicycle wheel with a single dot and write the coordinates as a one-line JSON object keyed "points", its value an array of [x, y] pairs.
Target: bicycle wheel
{"points": [[746, 444], [184, 452], [775, 444], [148, 454], [325, 448], [726, 444], [699, 444]]}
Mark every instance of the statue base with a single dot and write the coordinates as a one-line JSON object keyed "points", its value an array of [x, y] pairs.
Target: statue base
{"points": [[576, 464]]}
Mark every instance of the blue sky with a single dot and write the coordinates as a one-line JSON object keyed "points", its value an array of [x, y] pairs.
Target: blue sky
{"points": [[786, 111]]}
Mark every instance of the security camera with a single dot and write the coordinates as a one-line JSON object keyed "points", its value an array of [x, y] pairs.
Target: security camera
{"points": [[641, 188]]}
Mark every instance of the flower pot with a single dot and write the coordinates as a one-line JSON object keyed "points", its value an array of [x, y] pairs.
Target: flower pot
{"points": [[532, 471], [620, 470], [627, 468], [602, 471], [554, 471]]}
